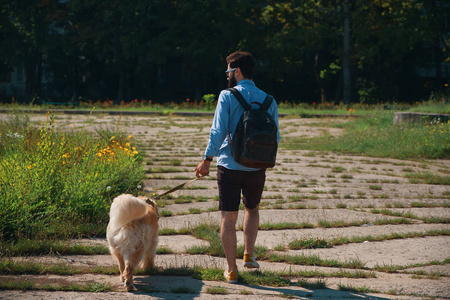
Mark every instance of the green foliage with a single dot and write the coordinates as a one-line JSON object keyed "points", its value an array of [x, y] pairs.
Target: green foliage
{"points": [[267, 278], [299, 45], [376, 136], [57, 183], [216, 290], [45, 247], [309, 244], [209, 100]]}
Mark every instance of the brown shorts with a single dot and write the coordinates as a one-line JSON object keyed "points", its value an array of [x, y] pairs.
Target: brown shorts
{"points": [[232, 182]]}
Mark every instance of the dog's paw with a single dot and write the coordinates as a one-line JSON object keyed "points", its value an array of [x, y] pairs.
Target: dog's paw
{"points": [[130, 286]]}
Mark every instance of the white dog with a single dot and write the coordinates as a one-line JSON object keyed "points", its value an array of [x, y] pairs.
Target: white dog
{"points": [[133, 234]]}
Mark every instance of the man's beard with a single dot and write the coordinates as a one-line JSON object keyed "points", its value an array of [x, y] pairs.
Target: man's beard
{"points": [[232, 81]]}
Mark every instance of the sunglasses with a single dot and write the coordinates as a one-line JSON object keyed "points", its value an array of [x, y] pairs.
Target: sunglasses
{"points": [[230, 70]]}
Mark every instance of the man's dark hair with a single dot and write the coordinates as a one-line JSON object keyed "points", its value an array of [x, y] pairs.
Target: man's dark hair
{"points": [[244, 61]]}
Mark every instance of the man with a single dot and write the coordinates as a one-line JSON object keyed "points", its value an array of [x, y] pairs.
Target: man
{"points": [[233, 178]]}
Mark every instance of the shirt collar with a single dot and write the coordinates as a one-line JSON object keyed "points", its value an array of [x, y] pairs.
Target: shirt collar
{"points": [[246, 82]]}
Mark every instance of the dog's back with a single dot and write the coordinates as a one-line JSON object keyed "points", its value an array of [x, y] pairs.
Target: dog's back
{"points": [[132, 234], [124, 209]]}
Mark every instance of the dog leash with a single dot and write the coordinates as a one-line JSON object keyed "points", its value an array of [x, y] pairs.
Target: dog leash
{"points": [[177, 187]]}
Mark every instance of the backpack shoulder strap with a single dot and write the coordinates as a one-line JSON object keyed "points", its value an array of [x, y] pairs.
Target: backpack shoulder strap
{"points": [[267, 102], [239, 97]]}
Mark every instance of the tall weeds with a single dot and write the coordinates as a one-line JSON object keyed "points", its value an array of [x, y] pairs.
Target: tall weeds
{"points": [[58, 183], [376, 136]]}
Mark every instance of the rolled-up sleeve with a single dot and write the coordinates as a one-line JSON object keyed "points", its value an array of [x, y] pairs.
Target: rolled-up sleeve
{"points": [[273, 110], [219, 126]]}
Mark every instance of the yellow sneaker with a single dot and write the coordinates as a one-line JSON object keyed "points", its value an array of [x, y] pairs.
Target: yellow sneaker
{"points": [[231, 277], [250, 262]]}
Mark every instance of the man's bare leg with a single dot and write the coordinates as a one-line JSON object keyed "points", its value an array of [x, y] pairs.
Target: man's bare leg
{"points": [[251, 225], [228, 237]]}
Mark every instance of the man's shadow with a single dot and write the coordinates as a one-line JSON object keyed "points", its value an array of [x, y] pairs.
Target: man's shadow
{"points": [[164, 287], [322, 293]]}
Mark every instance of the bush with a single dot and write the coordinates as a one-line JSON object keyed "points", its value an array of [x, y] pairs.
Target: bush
{"points": [[61, 183], [376, 136]]}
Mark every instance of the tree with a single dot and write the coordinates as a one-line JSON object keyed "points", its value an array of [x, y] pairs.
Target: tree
{"points": [[346, 54], [26, 29], [306, 35], [390, 41]]}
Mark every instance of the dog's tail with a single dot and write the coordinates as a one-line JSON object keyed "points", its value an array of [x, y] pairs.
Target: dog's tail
{"points": [[126, 208]]}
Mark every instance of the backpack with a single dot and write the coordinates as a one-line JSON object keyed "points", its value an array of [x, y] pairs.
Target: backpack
{"points": [[254, 142]]}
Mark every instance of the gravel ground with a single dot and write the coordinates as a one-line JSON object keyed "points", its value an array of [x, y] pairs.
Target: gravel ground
{"points": [[305, 186]]}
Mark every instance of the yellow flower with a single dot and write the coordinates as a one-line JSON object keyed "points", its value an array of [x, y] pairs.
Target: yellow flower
{"points": [[71, 125], [29, 167], [130, 136], [99, 154]]}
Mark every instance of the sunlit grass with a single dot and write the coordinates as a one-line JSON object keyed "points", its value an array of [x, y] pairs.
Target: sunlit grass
{"points": [[376, 136], [57, 183], [28, 286]]}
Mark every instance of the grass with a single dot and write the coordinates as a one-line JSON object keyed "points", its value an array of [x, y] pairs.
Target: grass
{"points": [[206, 232], [396, 268], [375, 136], [281, 226], [385, 237], [317, 285], [428, 178], [388, 212], [11, 267], [183, 290], [216, 290], [315, 260], [267, 278], [357, 289], [58, 183], [45, 247], [27, 286], [308, 244], [210, 233]]}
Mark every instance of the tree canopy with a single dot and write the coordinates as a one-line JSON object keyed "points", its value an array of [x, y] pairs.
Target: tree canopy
{"points": [[169, 50]]}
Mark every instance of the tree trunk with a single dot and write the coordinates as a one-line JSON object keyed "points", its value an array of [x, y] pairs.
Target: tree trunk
{"points": [[121, 86], [75, 84], [346, 54], [323, 94], [438, 60]]}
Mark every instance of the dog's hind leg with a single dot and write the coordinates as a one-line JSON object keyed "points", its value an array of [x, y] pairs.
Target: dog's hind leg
{"points": [[128, 276], [150, 253], [121, 266], [130, 264]]}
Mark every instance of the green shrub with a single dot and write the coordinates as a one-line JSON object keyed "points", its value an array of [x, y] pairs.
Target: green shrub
{"points": [[60, 183], [209, 100]]}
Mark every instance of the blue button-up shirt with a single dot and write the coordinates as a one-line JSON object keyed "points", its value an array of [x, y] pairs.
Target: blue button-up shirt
{"points": [[226, 117]]}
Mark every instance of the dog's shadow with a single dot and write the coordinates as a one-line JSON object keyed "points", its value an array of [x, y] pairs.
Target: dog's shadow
{"points": [[164, 287]]}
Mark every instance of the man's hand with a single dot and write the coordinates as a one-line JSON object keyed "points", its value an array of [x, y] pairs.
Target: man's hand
{"points": [[202, 168]]}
